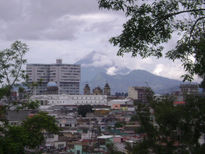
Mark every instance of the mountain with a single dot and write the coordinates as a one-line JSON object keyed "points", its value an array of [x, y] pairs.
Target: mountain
{"points": [[89, 70], [120, 83], [124, 78]]}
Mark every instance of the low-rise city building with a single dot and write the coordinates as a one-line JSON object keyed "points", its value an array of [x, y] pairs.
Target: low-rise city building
{"points": [[189, 89], [52, 100], [139, 94]]}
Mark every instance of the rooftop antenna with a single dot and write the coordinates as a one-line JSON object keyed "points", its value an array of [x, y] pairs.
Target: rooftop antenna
{"points": [[59, 61]]}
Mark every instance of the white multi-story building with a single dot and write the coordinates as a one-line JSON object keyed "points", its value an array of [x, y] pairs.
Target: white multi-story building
{"points": [[189, 89], [52, 100], [66, 77], [139, 93]]}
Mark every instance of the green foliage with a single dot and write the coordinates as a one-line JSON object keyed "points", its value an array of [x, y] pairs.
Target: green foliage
{"points": [[2, 112], [171, 129], [36, 125], [11, 62], [84, 109], [134, 118], [11, 72], [28, 105], [150, 24], [112, 150], [29, 134], [4, 91], [21, 90], [119, 124]]}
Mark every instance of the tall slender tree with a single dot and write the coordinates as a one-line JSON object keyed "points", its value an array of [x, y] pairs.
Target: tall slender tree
{"points": [[28, 135]]}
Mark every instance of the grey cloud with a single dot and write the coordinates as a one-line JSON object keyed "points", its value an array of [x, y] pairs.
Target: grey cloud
{"points": [[101, 27], [9, 10], [39, 19], [68, 29], [61, 7], [106, 22]]}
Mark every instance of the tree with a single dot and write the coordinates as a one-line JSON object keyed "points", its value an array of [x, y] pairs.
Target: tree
{"points": [[111, 149], [119, 124], [30, 134], [11, 62], [36, 125], [171, 129], [151, 24], [84, 109]]}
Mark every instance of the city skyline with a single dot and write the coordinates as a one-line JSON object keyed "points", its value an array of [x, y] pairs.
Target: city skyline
{"points": [[70, 30]]}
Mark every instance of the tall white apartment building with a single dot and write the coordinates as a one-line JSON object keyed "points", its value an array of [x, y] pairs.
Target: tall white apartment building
{"points": [[65, 76]]}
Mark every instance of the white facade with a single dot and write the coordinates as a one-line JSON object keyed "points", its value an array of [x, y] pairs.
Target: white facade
{"points": [[52, 100], [132, 93], [60, 145], [120, 101], [52, 141], [51, 138]]}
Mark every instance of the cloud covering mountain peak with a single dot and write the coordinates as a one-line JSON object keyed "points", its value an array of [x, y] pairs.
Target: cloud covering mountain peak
{"points": [[101, 60]]}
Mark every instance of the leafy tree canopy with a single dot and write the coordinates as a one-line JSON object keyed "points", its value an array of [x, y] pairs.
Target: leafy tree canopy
{"points": [[151, 23], [30, 134], [171, 129], [11, 62], [84, 109]]}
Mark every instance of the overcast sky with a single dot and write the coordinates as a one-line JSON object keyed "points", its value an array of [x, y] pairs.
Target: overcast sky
{"points": [[70, 30]]}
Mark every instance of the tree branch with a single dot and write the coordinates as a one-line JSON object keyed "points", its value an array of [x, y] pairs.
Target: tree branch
{"points": [[185, 11], [4, 70], [193, 27], [19, 69]]}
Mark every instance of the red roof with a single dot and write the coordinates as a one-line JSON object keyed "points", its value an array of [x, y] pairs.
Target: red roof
{"points": [[179, 102], [31, 115]]}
